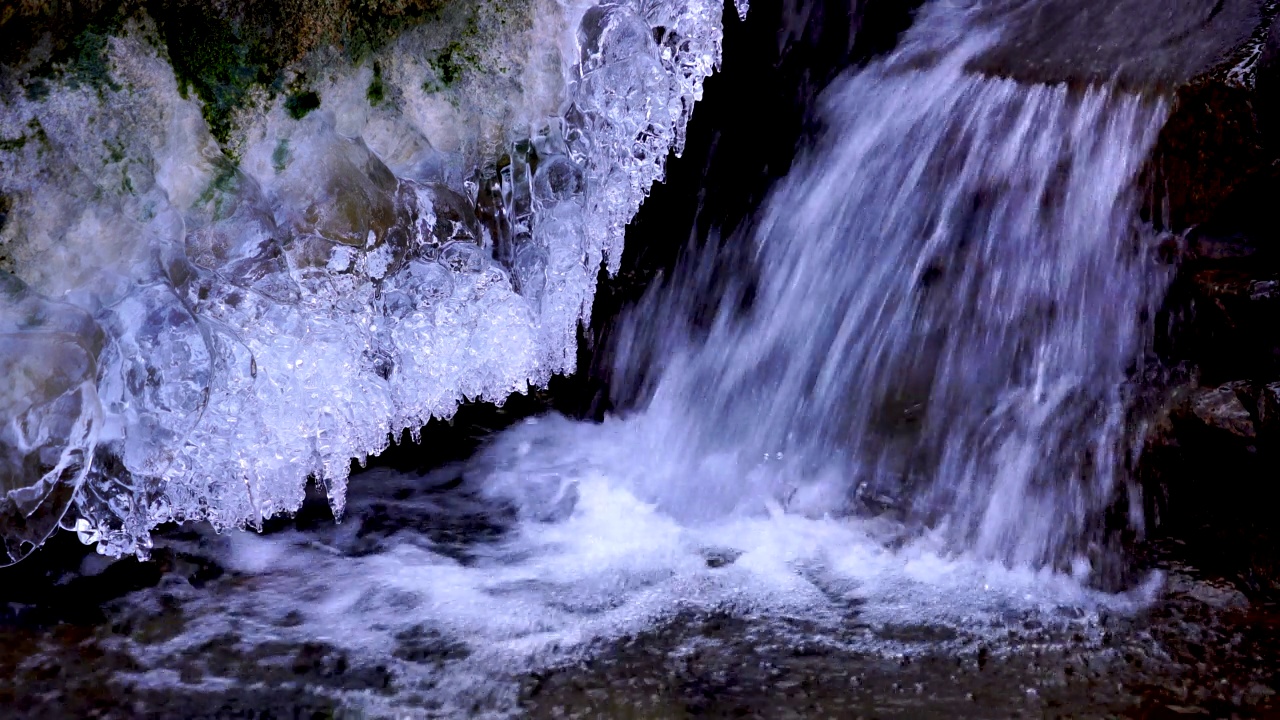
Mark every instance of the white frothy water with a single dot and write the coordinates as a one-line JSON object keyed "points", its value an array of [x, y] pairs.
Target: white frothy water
{"points": [[950, 300], [483, 613]]}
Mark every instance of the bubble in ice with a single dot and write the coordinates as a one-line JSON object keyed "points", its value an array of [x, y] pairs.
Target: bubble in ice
{"points": [[190, 335]]}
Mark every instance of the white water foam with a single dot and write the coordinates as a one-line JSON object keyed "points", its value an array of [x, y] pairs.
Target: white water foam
{"points": [[542, 593]]}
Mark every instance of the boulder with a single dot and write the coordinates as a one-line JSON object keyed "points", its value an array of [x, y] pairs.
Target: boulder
{"points": [[1223, 409], [1225, 299], [1141, 44], [1212, 60]]}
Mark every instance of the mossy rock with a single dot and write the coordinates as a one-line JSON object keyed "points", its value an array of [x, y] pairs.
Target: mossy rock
{"points": [[222, 51]]}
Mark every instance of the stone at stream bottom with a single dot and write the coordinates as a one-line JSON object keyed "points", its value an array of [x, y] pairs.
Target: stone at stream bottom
{"points": [[1201, 649]]}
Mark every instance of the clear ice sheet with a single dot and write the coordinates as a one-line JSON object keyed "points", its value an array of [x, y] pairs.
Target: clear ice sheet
{"points": [[188, 337]]}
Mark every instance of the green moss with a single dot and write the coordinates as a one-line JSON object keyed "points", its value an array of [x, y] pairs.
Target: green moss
{"points": [[450, 65], [224, 53], [38, 130], [37, 90], [227, 179], [225, 182], [373, 23], [214, 58], [37, 133], [377, 92], [115, 151], [453, 61], [222, 56], [70, 36], [88, 64], [300, 103]]}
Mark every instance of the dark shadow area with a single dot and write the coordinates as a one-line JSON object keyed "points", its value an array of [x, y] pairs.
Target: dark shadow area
{"points": [[1212, 455]]}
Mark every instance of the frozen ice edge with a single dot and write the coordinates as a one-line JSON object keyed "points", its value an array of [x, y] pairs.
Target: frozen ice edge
{"points": [[222, 332]]}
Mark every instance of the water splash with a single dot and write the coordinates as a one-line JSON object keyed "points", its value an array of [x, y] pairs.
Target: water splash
{"points": [[951, 293]]}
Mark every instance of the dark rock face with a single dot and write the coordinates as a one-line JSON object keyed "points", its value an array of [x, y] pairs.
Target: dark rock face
{"points": [[1223, 409], [1269, 412], [1210, 149], [1213, 181], [1205, 54], [781, 56], [1148, 44]]}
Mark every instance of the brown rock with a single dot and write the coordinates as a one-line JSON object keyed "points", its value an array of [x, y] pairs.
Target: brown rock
{"points": [[1223, 409]]}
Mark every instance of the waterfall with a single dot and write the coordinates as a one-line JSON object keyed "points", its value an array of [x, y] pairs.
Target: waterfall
{"points": [[949, 294]]}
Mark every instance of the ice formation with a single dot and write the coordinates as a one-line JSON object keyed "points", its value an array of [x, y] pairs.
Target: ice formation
{"points": [[187, 334]]}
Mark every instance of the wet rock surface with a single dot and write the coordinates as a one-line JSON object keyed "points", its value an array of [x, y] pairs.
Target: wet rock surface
{"points": [[1168, 663], [1133, 43], [1209, 464], [1205, 648]]}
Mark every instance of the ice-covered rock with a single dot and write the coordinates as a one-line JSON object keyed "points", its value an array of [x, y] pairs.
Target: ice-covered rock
{"points": [[50, 411], [191, 328]]}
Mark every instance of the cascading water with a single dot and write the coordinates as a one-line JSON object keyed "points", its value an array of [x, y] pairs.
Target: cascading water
{"points": [[952, 292]]}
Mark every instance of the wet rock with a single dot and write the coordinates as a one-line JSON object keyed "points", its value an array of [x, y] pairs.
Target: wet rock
{"points": [[1267, 84], [355, 204], [1223, 409], [1134, 43], [1224, 299], [1209, 149], [1216, 595], [720, 557], [427, 645], [1215, 146], [1269, 412]]}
